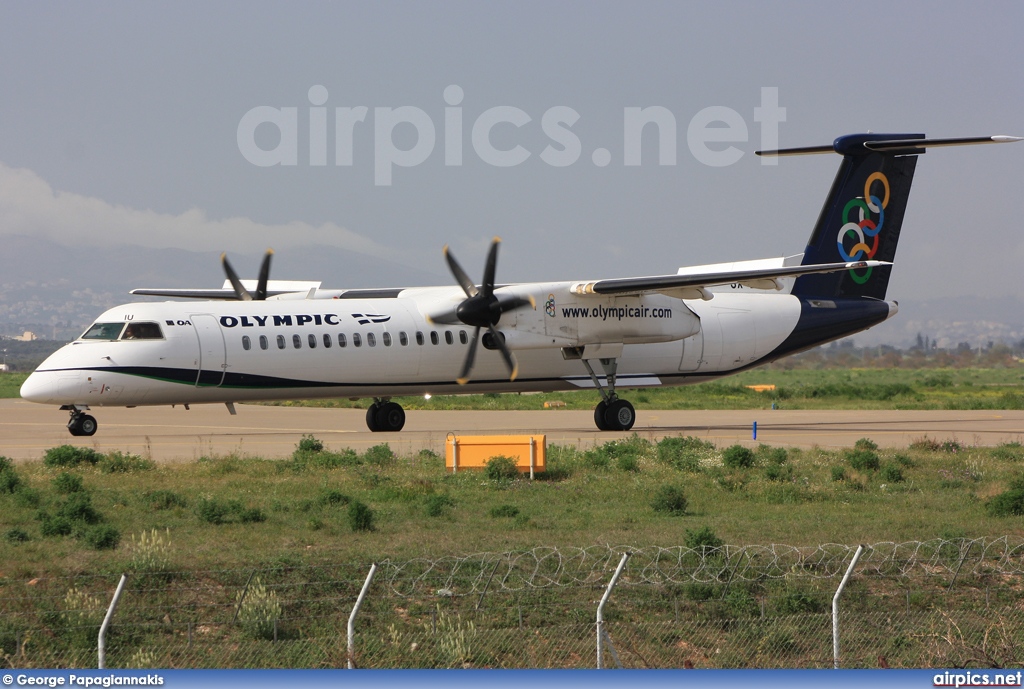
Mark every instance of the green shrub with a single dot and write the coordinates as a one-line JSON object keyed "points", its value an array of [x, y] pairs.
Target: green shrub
{"points": [[769, 455], [437, 504], [501, 468], [504, 511], [866, 444], [904, 460], [699, 591], [332, 497], [211, 511], [6, 463], [684, 454], [70, 456], [27, 497], [1009, 502], [891, 473], [66, 483], [738, 457], [1012, 452], [380, 455], [119, 463], [596, 458], [251, 515], [778, 472], [16, 536], [669, 499], [704, 537], [102, 537], [799, 602], [9, 481], [163, 499], [310, 444], [360, 517], [740, 603], [628, 463], [838, 474], [614, 450], [863, 460], [55, 526], [78, 508]]}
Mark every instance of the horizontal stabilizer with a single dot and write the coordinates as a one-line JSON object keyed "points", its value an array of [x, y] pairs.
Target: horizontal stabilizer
{"points": [[846, 145]]}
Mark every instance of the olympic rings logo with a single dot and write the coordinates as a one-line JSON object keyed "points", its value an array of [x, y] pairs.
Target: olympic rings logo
{"points": [[865, 228], [549, 306]]}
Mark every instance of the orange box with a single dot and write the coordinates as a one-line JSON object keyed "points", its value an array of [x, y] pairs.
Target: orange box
{"points": [[473, 451]]}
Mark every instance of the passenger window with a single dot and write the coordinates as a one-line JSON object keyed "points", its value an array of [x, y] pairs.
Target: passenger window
{"points": [[387, 339], [371, 340], [280, 341], [403, 339], [356, 341], [263, 342], [312, 341], [341, 340], [327, 341], [463, 337], [103, 331], [419, 338], [246, 343], [434, 339], [448, 337], [297, 341], [142, 331]]}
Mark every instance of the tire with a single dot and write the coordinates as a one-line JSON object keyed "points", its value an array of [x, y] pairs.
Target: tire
{"points": [[390, 417], [599, 412], [620, 416], [87, 425], [74, 427], [371, 417]]}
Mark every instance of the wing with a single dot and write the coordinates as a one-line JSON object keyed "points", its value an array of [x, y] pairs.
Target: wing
{"points": [[275, 288], [691, 284]]}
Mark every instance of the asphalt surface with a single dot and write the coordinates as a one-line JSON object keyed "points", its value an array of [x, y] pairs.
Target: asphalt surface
{"points": [[167, 434]]}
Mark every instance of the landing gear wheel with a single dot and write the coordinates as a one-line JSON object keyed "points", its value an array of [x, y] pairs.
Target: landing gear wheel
{"points": [[390, 417], [619, 416], [82, 424], [599, 412], [371, 417]]}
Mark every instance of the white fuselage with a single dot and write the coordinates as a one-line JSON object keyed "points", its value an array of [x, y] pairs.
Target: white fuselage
{"points": [[232, 351]]}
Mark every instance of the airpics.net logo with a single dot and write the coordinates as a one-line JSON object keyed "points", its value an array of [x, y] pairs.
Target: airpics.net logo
{"points": [[710, 134]]}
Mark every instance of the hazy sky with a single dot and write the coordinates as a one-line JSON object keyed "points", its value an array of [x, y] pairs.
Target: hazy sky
{"points": [[120, 123]]}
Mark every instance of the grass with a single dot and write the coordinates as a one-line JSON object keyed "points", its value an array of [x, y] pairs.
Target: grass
{"points": [[236, 511]]}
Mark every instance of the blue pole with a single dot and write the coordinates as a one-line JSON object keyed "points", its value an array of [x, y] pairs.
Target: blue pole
{"points": [[755, 430]]}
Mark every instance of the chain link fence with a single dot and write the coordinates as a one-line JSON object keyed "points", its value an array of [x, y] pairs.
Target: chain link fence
{"points": [[933, 603]]}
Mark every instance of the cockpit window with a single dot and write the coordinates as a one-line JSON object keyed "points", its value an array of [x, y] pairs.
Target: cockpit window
{"points": [[103, 331], [142, 331]]}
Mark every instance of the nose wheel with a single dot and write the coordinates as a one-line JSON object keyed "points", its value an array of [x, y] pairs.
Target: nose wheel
{"points": [[81, 423], [384, 416]]}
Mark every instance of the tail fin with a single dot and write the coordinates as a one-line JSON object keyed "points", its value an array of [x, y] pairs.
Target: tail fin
{"points": [[863, 214]]}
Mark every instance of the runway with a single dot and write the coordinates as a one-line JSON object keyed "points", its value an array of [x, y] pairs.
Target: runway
{"points": [[167, 434]]}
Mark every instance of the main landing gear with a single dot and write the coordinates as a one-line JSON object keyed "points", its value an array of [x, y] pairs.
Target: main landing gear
{"points": [[385, 416], [80, 423], [611, 413]]}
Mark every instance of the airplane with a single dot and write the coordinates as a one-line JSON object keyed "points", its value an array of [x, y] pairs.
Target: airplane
{"points": [[279, 340]]}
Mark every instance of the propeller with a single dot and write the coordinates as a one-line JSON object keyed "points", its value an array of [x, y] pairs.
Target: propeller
{"points": [[482, 309], [261, 283]]}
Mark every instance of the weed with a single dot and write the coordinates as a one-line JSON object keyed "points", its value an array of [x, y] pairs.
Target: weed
{"points": [[66, 483], [211, 511], [308, 443], [101, 537], [380, 455], [628, 463], [9, 481], [329, 498], [699, 591], [904, 460], [16, 536], [259, 610], [151, 551], [163, 499], [55, 526], [504, 511], [501, 468], [119, 463], [891, 473], [838, 473], [70, 456], [1009, 502], [738, 457], [771, 455], [684, 454], [360, 517], [6, 463], [437, 505], [78, 508], [866, 444], [778, 472], [1010, 452], [251, 515], [669, 499], [28, 497], [799, 602], [702, 538], [863, 460]]}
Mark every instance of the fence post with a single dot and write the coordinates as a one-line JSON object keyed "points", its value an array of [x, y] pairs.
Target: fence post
{"points": [[835, 606], [533, 455], [600, 610], [102, 640], [355, 611]]}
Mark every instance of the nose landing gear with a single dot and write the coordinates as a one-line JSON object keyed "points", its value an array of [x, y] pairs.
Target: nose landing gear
{"points": [[81, 423]]}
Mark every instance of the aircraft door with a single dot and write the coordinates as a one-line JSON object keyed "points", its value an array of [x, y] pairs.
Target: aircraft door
{"points": [[212, 361]]}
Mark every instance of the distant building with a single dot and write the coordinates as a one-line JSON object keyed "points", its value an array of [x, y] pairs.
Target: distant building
{"points": [[5, 368], [27, 336]]}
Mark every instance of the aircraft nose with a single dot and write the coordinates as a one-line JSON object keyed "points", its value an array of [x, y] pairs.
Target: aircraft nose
{"points": [[39, 387]]}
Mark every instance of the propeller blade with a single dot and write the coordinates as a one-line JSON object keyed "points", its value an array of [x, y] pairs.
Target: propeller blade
{"points": [[491, 266], [467, 366], [460, 275], [449, 317], [510, 360], [243, 294], [261, 284], [513, 303]]}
